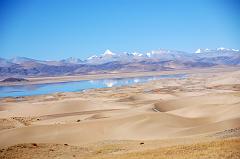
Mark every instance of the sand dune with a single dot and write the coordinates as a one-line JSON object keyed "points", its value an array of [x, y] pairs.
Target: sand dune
{"points": [[197, 106]]}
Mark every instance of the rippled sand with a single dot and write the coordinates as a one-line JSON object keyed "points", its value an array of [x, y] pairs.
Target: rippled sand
{"points": [[201, 112]]}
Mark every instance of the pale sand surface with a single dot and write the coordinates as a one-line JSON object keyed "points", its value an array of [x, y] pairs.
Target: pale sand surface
{"points": [[201, 112]]}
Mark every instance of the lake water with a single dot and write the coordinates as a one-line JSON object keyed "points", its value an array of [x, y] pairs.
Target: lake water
{"points": [[38, 89]]}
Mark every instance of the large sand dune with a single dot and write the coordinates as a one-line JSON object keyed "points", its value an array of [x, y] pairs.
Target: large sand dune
{"points": [[198, 106]]}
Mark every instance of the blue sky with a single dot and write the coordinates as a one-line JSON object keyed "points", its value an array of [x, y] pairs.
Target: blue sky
{"points": [[57, 29]]}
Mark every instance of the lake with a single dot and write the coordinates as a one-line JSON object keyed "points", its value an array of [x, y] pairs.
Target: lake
{"points": [[39, 89]]}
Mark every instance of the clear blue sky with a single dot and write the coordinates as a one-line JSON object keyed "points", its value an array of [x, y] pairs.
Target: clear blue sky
{"points": [[56, 29]]}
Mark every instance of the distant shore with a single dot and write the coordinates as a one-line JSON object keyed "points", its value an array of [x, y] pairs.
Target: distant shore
{"points": [[72, 78]]}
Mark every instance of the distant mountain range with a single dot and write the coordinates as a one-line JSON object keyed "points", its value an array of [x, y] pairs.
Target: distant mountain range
{"points": [[110, 62]]}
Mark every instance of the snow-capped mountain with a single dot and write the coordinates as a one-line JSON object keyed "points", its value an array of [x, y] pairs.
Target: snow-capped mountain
{"points": [[109, 56], [92, 57], [137, 54], [108, 53], [109, 61], [166, 54], [217, 53], [217, 50], [198, 51]]}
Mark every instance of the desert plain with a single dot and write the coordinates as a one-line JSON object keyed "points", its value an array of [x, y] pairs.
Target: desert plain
{"points": [[193, 117]]}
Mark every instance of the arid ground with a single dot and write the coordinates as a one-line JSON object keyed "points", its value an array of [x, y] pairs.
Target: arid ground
{"points": [[193, 117]]}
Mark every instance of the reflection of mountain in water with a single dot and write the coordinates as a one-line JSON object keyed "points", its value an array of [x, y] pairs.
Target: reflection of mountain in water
{"points": [[110, 83], [107, 82], [127, 81], [37, 89]]}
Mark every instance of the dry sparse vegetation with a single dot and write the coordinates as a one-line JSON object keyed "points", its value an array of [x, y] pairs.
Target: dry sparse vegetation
{"points": [[223, 149], [220, 149]]}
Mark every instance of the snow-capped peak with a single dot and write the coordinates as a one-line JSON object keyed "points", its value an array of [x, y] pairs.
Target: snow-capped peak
{"points": [[148, 54], [217, 50], [160, 51], [137, 54], [108, 52], [235, 50], [223, 49], [198, 51], [202, 50], [226, 49], [92, 57]]}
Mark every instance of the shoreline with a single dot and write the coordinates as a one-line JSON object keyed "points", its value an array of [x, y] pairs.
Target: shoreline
{"points": [[75, 78], [103, 85]]}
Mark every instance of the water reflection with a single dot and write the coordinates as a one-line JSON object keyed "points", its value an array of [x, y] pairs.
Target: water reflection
{"points": [[27, 90]]}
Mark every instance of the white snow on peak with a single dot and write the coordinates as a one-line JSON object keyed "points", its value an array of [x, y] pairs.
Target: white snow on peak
{"points": [[160, 51], [225, 49], [92, 57], [108, 52], [157, 52], [198, 51], [137, 54], [149, 54], [218, 49], [235, 50], [222, 49]]}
